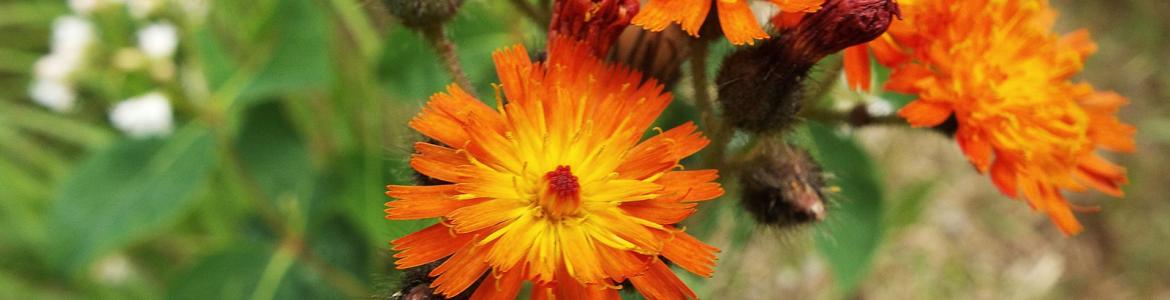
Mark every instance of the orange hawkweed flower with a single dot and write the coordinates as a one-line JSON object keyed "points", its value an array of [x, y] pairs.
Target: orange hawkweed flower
{"points": [[735, 16], [553, 186], [997, 68]]}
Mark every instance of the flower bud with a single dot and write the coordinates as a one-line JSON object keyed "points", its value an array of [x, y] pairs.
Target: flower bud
{"points": [[783, 187], [656, 54], [841, 24], [423, 13], [761, 87], [595, 22]]}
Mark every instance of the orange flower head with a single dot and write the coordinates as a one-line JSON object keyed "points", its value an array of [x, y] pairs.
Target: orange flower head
{"points": [[735, 16], [553, 186], [998, 69]]}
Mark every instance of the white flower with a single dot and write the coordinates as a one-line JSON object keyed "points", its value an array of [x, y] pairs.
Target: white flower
{"points": [[53, 94], [879, 107], [56, 67], [144, 116], [72, 35], [159, 40], [143, 8]]}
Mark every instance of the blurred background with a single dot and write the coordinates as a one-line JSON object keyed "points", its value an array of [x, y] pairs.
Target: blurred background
{"points": [[226, 149]]}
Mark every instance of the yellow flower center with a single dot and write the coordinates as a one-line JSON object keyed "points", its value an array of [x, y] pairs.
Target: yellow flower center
{"points": [[561, 196]]}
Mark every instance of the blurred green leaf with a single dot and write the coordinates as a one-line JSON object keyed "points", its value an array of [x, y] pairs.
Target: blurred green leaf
{"points": [[300, 61], [30, 12], [215, 59], [910, 203], [853, 230], [125, 192], [411, 72], [242, 273], [276, 157]]}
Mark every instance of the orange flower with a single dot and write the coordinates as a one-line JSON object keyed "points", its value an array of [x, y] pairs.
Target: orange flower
{"points": [[553, 187], [1006, 78], [735, 16]]}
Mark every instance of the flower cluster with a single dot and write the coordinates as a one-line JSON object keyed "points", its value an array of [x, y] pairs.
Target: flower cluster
{"points": [[79, 49], [556, 187], [998, 69]]}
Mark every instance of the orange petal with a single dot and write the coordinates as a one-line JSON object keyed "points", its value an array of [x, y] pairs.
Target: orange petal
{"points": [[659, 283], [659, 211], [486, 214], [1102, 175], [977, 149], [658, 14], [662, 152], [857, 67], [1004, 177], [459, 272], [427, 245], [738, 22], [698, 185], [805, 6], [437, 161], [906, 78], [787, 19], [691, 254], [887, 52], [921, 113], [500, 286], [446, 114], [421, 202]]}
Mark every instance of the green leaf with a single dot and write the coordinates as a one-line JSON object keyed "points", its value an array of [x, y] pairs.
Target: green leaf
{"points": [[217, 62], [300, 61], [130, 190], [250, 272], [910, 203], [411, 72], [853, 230], [275, 157]]}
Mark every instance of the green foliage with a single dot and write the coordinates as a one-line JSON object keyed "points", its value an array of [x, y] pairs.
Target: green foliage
{"points": [[126, 192], [854, 229]]}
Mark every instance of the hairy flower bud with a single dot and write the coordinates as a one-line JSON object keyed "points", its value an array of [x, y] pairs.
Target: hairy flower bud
{"points": [[423, 13], [761, 87], [783, 186], [595, 22]]}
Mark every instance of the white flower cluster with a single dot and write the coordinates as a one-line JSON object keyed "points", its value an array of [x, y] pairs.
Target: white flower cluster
{"points": [[75, 46], [144, 116], [52, 86]]}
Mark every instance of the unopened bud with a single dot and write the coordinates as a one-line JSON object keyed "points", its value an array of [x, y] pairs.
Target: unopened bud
{"points": [[783, 187], [656, 54], [423, 13], [841, 24], [761, 87], [595, 22]]}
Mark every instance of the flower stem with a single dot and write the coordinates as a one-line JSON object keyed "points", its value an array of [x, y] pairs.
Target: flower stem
{"points": [[445, 49], [719, 132]]}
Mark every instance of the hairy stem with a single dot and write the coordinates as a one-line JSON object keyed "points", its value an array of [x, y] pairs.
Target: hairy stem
{"points": [[445, 49], [719, 133]]}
